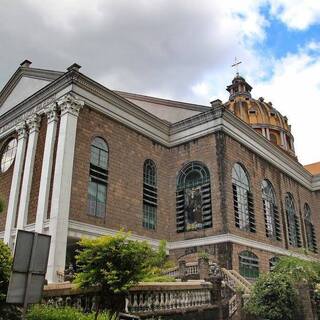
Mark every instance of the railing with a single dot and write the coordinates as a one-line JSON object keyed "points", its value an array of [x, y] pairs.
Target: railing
{"points": [[162, 298], [192, 269], [235, 281], [145, 299], [233, 305]]}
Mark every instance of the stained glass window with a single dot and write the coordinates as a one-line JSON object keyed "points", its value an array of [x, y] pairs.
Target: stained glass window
{"points": [[193, 198]]}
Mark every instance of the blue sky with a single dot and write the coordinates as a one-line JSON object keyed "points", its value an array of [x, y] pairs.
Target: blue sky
{"points": [[178, 49]]}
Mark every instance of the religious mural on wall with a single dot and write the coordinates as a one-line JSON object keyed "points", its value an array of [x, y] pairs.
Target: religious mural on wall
{"points": [[193, 208]]}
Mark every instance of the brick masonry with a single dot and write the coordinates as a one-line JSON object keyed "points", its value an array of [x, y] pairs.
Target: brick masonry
{"points": [[127, 152]]}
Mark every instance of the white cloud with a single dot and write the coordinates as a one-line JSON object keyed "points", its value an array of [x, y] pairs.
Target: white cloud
{"points": [[296, 14], [294, 90]]}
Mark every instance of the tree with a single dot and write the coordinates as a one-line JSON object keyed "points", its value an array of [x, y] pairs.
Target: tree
{"points": [[273, 297], [7, 312], [113, 263]]}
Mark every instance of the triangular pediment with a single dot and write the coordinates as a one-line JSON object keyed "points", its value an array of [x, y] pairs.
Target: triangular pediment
{"points": [[23, 84]]}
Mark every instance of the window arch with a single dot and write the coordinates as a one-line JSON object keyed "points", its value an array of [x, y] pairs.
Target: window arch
{"points": [[150, 196], [310, 232], [292, 220], [248, 265], [98, 180], [270, 209], [242, 199], [193, 197]]}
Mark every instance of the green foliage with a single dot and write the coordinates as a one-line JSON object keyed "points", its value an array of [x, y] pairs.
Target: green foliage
{"points": [[5, 269], [7, 312], [273, 297], [204, 255], [42, 312], [114, 263], [158, 264], [299, 270]]}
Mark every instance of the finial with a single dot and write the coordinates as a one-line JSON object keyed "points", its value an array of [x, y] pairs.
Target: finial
{"points": [[236, 65], [26, 63], [74, 66]]}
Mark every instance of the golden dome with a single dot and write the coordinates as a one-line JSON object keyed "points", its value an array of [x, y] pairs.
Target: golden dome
{"points": [[261, 115]]}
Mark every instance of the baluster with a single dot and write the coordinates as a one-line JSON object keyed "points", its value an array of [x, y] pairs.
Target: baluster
{"points": [[157, 301], [150, 300], [140, 301], [162, 304], [129, 306], [167, 300], [135, 302]]}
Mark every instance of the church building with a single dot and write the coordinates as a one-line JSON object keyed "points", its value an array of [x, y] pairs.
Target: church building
{"points": [[80, 160]]}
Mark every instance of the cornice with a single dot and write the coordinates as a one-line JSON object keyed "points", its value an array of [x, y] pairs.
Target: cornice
{"points": [[111, 104], [259, 144]]}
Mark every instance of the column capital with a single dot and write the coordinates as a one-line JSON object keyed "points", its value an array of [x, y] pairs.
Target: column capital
{"points": [[33, 123], [52, 112], [21, 130], [70, 104]]}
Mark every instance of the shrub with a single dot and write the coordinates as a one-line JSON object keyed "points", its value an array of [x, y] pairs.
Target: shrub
{"points": [[42, 312], [273, 297]]}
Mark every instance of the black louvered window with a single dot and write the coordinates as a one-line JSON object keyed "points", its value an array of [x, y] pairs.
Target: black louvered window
{"points": [[310, 232], [98, 178], [150, 195], [242, 200], [270, 209], [293, 222], [193, 198]]}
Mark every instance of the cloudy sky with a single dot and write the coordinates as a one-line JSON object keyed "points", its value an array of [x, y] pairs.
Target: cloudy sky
{"points": [[179, 49]]}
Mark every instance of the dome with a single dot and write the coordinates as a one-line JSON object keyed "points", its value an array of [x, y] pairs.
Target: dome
{"points": [[260, 115]]}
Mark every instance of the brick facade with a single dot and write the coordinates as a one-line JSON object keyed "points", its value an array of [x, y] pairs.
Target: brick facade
{"points": [[129, 148]]}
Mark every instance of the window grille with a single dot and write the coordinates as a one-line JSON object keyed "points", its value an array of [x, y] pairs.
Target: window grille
{"points": [[242, 200], [150, 196], [193, 198], [310, 231], [248, 265], [98, 180], [270, 209], [293, 223]]}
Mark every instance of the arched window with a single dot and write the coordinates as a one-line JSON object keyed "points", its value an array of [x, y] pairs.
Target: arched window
{"points": [[242, 199], [248, 265], [272, 262], [310, 232], [270, 209], [292, 219], [193, 198], [98, 180], [150, 196], [8, 154]]}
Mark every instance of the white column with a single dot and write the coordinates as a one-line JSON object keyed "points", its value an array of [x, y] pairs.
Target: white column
{"points": [[33, 124], [60, 203], [268, 133], [45, 181], [15, 184], [263, 132]]}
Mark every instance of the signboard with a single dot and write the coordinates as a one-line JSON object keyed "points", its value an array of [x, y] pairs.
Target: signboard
{"points": [[29, 268]]}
